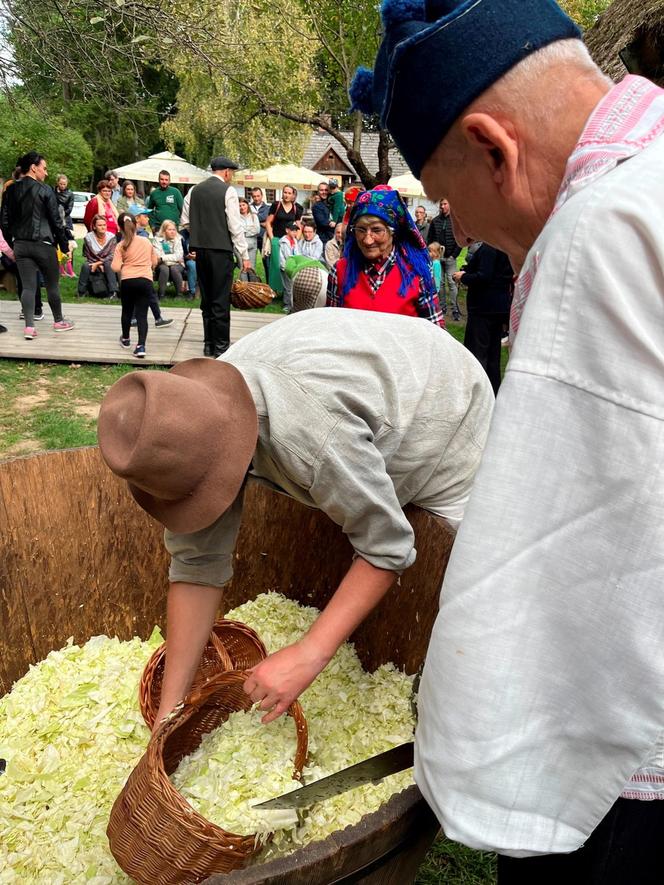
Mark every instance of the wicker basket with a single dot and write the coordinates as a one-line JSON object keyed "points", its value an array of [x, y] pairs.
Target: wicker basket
{"points": [[154, 834], [232, 646], [250, 296]]}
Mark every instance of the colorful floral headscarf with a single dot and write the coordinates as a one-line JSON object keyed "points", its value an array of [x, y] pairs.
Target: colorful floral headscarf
{"points": [[412, 254]]}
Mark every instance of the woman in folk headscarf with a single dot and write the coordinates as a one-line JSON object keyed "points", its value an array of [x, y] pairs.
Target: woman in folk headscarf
{"points": [[385, 265]]}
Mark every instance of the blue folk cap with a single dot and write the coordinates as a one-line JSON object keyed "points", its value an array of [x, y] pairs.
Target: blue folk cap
{"points": [[136, 210], [438, 56]]}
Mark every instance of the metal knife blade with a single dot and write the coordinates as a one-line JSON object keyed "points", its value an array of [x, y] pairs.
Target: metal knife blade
{"points": [[370, 770]]}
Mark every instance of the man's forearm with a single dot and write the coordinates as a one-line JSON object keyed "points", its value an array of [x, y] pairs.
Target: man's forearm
{"points": [[360, 591], [284, 675], [191, 613]]}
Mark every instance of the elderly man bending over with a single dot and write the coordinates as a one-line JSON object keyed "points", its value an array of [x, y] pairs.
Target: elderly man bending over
{"points": [[352, 412], [541, 702]]}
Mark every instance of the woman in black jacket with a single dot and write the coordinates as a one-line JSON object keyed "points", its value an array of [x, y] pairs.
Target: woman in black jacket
{"points": [[488, 275], [31, 223]]}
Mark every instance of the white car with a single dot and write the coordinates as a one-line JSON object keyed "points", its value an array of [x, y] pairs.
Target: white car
{"points": [[81, 200]]}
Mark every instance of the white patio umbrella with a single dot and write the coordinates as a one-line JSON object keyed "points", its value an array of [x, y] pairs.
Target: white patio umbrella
{"points": [[407, 185], [280, 175], [148, 170]]}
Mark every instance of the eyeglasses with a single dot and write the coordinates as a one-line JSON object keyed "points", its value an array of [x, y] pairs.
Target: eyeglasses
{"points": [[376, 231]]}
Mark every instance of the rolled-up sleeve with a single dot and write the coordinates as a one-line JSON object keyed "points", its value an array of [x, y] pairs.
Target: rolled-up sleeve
{"points": [[235, 225], [206, 557], [351, 485], [184, 215]]}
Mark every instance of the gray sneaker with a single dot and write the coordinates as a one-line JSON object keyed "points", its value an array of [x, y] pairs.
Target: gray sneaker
{"points": [[162, 321]]}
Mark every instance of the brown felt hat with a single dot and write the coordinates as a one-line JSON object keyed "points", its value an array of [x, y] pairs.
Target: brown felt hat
{"points": [[182, 439]]}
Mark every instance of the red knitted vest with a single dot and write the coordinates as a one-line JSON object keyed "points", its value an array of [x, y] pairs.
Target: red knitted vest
{"points": [[387, 299]]}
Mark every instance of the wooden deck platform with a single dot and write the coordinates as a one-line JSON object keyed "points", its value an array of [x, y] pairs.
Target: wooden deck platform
{"points": [[95, 337]]}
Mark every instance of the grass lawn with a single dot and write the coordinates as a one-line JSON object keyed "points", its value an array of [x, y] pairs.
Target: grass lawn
{"points": [[46, 406]]}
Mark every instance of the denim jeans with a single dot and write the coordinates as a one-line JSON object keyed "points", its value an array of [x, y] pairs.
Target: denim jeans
{"points": [[166, 272], [449, 266], [190, 270]]}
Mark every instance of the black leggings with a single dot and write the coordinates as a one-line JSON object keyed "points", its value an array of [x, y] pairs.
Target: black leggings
{"points": [[627, 848], [33, 258], [135, 295]]}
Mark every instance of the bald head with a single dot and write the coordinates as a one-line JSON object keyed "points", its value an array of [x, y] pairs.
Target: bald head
{"points": [[502, 162]]}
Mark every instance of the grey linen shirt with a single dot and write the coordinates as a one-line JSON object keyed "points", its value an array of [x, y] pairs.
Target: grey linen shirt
{"points": [[359, 413]]}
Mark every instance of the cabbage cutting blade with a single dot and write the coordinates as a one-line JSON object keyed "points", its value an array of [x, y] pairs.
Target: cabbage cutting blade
{"points": [[371, 770]]}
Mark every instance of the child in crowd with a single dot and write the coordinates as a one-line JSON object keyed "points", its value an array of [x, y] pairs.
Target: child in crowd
{"points": [[66, 260], [141, 218], [287, 246], [134, 260], [436, 253]]}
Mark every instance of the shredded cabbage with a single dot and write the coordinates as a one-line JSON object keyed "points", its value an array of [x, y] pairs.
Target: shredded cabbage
{"points": [[351, 715], [71, 732]]}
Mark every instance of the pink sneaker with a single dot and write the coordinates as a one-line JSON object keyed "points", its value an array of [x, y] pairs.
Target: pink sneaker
{"points": [[29, 332], [63, 326]]}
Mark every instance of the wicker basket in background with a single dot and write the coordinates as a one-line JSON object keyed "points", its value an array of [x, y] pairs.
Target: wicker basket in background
{"points": [[251, 295], [232, 646], [154, 834]]}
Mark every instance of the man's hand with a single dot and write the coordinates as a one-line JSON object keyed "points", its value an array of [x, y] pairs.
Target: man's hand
{"points": [[457, 276], [246, 265], [282, 677], [278, 680]]}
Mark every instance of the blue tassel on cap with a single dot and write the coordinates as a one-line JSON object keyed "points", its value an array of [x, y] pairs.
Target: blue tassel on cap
{"points": [[361, 91], [393, 12]]}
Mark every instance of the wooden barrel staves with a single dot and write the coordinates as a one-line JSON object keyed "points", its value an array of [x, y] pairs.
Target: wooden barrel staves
{"points": [[78, 557]]}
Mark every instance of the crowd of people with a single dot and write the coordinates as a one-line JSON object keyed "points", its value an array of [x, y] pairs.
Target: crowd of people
{"points": [[540, 730], [370, 252]]}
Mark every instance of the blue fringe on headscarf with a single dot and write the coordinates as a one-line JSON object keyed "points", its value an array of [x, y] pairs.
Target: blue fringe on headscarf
{"points": [[412, 255]]}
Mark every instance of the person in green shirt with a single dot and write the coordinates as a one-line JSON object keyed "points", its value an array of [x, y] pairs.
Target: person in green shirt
{"points": [[336, 201], [165, 201]]}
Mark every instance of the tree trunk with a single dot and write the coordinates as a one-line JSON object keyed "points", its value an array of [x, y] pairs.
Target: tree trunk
{"points": [[384, 169]]}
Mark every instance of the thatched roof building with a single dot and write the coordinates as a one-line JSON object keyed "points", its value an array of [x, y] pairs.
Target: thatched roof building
{"points": [[629, 36]]}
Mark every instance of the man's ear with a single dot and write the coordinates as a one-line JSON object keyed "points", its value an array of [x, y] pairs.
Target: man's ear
{"points": [[495, 143]]}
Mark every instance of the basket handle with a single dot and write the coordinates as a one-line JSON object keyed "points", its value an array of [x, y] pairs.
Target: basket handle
{"points": [[195, 697]]}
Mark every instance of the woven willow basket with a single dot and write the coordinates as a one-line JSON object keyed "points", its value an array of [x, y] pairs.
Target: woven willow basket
{"points": [[154, 834], [251, 295], [232, 646]]}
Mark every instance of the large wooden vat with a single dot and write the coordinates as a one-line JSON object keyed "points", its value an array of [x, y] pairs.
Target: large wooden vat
{"points": [[78, 557]]}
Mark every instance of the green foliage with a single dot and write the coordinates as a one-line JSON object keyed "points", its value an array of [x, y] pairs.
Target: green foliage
{"points": [[24, 127], [95, 79], [240, 59], [584, 12], [254, 75]]}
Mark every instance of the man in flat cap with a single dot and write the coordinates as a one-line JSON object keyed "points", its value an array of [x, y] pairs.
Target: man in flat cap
{"points": [[356, 413], [541, 704], [211, 212]]}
